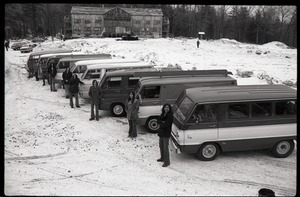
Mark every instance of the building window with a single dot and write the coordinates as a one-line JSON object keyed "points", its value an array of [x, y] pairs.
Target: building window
{"points": [[87, 29], [157, 22], [137, 22], [97, 28], [77, 20], [76, 29], [87, 21], [148, 23], [98, 21]]}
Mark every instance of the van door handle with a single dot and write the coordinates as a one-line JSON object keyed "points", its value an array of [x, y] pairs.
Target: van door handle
{"points": [[117, 91], [212, 126], [156, 102]]}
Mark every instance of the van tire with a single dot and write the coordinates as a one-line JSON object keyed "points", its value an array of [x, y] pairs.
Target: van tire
{"points": [[208, 151], [151, 124], [117, 110], [283, 148]]}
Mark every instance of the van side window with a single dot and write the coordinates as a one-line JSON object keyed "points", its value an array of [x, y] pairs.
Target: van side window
{"points": [[286, 108], [63, 65], [95, 75], [238, 111], [150, 92], [204, 113], [133, 81], [261, 109], [114, 82]]}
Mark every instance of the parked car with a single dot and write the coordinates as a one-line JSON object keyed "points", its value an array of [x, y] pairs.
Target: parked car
{"points": [[37, 39], [129, 37], [26, 49], [16, 46]]}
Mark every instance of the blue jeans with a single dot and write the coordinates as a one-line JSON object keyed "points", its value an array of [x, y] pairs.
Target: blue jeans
{"points": [[76, 99], [96, 106], [52, 83], [164, 149]]}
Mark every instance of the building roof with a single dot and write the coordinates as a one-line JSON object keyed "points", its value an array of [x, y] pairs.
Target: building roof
{"points": [[101, 11], [240, 93]]}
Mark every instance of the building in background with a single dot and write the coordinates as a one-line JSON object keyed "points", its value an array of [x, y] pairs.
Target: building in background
{"points": [[115, 22]]}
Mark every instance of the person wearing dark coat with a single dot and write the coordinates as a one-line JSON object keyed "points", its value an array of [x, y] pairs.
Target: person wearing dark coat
{"points": [[44, 71], [73, 89], [36, 69], [6, 44], [67, 75], [132, 108], [95, 95], [165, 120], [52, 73]]}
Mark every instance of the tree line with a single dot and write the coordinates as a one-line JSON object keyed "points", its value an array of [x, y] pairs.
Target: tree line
{"points": [[252, 24]]}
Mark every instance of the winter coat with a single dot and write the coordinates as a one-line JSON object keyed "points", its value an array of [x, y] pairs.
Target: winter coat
{"points": [[67, 76], [73, 84], [165, 127], [35, 66], [95, 94], [132, 109], [52, 70]]}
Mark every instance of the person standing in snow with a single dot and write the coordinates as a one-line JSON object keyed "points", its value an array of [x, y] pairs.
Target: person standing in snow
{"points": [[45, 73], [198, 43], [165, 120], [67, 75], [6, 44], [35, 69], [52, 73], [73, 89], [95, 94], [132, 108]]}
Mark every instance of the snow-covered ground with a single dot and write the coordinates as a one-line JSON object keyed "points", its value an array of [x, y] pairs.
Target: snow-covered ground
{"points": [[52, 149]]}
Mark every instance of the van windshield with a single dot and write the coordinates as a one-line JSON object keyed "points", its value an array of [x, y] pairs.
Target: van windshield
{"points": [[183, 109]]}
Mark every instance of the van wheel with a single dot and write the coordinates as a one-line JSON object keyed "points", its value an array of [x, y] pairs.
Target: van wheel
{"points": [[208, 152], [117, 110], [283, 148], [151, 125]]}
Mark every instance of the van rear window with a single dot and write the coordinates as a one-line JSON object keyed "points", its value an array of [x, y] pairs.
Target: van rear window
{"points": [[286, 108]]}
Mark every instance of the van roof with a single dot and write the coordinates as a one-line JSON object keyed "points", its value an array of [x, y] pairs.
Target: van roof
{"points": [[120, 65], [62, 54], [104, 61], [128, 72], [184, 79], [240, 93], [49, 52], [85, 57]]}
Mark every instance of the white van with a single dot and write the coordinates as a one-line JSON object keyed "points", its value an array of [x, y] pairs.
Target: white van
{"points": [[44, 59], [97, 72], [156, 91], [69, 62], [209, 120]]}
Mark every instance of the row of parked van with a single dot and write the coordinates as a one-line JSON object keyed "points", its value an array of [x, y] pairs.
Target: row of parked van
{"points": [[211, 112]]}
